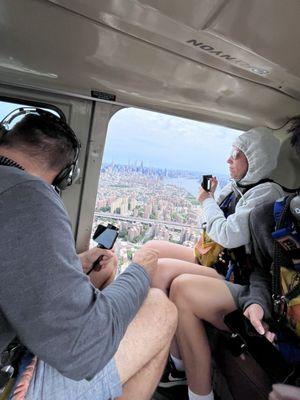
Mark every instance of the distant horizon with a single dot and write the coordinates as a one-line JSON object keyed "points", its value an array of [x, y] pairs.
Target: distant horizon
{"points": [[162, 141], [106, 164], [165, 141]]}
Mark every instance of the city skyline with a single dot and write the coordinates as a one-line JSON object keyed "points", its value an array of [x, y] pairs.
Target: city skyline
{"points": [[164, 141]]}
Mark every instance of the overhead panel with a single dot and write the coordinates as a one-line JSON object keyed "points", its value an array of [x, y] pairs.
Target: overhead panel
{"points": [[245, 38], [173, 56], [269, 29]]}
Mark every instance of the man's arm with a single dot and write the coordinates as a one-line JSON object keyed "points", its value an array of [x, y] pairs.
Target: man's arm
{"points": [[47, 299]]}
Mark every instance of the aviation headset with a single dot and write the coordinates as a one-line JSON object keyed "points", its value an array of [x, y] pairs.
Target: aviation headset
{"points": [[71, 172]]}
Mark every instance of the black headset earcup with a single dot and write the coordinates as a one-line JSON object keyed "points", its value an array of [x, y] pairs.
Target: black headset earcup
{"points": [[66, 177], [62, 180]]}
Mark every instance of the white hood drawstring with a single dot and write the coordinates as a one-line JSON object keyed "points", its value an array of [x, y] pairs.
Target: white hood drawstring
{"points": [[236, 188]]}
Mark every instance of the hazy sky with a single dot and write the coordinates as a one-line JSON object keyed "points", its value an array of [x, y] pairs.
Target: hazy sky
{"points": [[6, 108], [167, 141], [163, 141]]}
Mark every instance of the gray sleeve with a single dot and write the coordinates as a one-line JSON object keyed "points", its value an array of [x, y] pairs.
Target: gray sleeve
{"points": [[47, 299], [259, 292], [234, 231], [261, 227]]}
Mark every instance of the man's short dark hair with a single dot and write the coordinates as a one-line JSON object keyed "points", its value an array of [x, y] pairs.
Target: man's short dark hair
{"points": [[44, 139]]}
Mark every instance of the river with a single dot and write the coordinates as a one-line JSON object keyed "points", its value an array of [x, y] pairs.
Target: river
{"points": [[192, 185]]}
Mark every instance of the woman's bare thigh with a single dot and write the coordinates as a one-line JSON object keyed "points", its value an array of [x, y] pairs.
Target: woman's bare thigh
{"points": [[208, 298], [169, 268], [172, 250]]}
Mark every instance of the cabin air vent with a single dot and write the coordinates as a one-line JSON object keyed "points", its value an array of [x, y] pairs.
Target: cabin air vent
{"points": [[233, 60], [103, 95]]}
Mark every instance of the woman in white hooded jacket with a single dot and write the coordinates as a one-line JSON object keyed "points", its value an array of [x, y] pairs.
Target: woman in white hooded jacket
{"points": [[256, 153], [200, 293], [253, 158]]}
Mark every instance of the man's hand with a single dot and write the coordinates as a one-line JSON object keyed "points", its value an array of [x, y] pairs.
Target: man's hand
{"points": [[109, 264], [109, 259], [147, 258], [90, 256], [255, 314]]}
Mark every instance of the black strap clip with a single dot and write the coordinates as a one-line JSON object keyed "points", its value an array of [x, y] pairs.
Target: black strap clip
{"points": [[5, 374], [280, 306], [237, 344], [9, 355]]}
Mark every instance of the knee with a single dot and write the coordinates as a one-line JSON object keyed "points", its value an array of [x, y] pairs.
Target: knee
{"points": [[152, 244], [162, 246], [180, 288], [165, 311], [162, 276]]}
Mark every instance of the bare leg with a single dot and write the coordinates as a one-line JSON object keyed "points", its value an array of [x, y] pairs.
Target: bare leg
{"points": [[174, 349], [143, 384], [168, 269], [175, 260], [199, 298], [172, 250], [142, 353]]}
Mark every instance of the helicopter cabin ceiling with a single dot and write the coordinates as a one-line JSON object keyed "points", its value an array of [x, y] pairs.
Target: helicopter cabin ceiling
{"points": [[227, 61]]}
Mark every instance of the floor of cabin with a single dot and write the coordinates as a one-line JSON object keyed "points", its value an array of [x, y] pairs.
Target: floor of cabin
{"points": [[174, 393], [220, 387]]}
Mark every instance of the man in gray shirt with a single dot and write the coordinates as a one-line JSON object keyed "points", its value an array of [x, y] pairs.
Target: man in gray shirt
{"points": [[90, 343]]}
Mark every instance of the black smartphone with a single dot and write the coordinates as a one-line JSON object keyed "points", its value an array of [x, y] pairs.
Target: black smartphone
{"points": [[259, 347], [105, 236], [206, 184]]}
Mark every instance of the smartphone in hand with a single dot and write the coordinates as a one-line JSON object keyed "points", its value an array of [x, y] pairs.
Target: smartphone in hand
{"points": [[206, 182], [105, 236]]}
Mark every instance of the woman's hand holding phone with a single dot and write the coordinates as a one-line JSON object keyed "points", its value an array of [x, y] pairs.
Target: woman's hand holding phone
{"points": [[213, 184], [207, 188]]}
